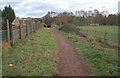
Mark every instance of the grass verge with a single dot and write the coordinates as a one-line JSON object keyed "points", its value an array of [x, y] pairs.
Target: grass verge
{"points": [[102, 61], [37, 55]]}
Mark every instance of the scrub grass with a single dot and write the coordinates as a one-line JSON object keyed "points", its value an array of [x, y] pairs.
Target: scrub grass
{"points": [[36, 55], [102, 61], [100, 31]]}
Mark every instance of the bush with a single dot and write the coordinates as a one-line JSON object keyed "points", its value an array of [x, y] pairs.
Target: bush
{"points": [[69, 28]]}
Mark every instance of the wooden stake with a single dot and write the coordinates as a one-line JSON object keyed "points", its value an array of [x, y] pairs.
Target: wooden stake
{"points": [[20, 29], [8, 33]]}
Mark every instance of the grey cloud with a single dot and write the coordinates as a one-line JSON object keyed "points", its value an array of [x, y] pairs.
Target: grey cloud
{"points": [[42, 6], [38, 14], [35, 6], [20, 6], [75, 4], [119, 7], [13, 4]]}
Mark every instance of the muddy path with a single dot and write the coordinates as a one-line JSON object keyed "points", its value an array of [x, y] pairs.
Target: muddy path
{"points": [[71, 64]]}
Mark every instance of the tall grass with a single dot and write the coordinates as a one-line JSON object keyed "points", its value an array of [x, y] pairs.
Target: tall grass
{"points": [[37, 55], [102, 61]]}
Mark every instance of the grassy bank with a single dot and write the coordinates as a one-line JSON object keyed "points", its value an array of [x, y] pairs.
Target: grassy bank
{"points": [[37, 55], [102, 61]]}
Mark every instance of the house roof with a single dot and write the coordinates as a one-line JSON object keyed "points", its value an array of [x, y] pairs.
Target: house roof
{"points": [[16, 22]]}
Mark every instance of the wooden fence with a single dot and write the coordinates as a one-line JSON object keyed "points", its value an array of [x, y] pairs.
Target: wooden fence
{"points": [[21, 31]]}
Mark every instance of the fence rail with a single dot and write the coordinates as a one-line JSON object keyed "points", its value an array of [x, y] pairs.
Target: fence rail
{"points": [[21, 31]]}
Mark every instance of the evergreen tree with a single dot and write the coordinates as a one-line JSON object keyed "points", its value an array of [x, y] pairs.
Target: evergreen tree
{"points": [[7, 13]]}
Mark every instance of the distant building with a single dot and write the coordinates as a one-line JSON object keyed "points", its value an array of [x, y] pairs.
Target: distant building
{"points": [[37, 20], [94, 24], [28, 18], [16, 22], [32, 19]]}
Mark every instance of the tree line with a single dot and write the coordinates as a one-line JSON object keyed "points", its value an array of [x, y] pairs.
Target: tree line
{"points": [[82, 18]]}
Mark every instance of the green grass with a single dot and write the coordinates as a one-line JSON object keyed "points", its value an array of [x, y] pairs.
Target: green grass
{"points": [[102, 61], [112, 32], [109, 29], [36, 55]]}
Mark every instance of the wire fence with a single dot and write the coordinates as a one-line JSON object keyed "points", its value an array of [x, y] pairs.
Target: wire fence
{"points": [[3, 35], [24, 29]]}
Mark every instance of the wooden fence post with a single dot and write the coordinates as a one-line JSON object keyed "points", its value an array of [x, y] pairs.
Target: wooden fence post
{"points": [[8, 34], [33, 27], [87, 33], [105, 36], [26, 29], [30, 28], [20, 30], [95, 33]]}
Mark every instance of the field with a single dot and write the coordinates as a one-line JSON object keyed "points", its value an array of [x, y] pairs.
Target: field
{"points": [[102, 61], [36, 55], [108, 32]]}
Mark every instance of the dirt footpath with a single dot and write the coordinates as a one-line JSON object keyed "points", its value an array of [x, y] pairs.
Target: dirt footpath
{"points": [[71, 64]]}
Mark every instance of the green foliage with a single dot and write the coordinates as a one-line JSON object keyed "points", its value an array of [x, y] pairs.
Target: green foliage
{"points": [[70, 28], [8, 13], [112, 19]]}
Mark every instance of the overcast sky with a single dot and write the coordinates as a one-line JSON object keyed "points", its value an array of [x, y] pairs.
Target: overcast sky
{"points": [[38, 8]]}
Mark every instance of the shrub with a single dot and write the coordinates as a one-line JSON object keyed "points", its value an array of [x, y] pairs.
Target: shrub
{"points": [[69, 28]]}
